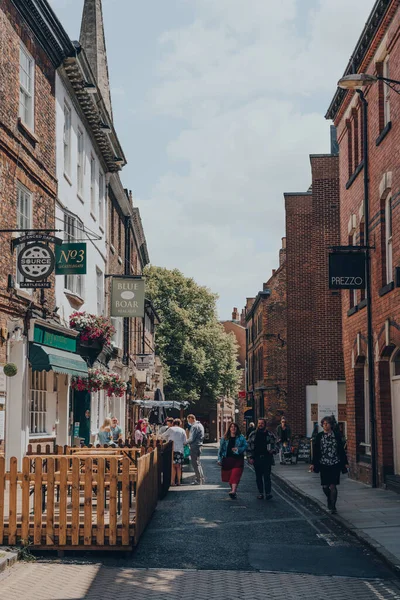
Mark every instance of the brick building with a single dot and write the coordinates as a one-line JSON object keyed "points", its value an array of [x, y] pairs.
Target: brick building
{"points": [[314, 340], [32, 46], [234, 326], [376, 53], [266, 347]]}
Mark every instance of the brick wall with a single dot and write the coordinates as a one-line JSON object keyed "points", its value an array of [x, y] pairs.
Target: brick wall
{"points": [[384, 176], [25, 157], [314, 333]]}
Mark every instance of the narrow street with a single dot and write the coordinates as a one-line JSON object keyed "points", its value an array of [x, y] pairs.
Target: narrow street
{"points": [[203, 545]]}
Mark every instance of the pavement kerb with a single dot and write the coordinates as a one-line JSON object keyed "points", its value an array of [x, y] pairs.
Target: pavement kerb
{"points": [[8, 557], [390, 559]]}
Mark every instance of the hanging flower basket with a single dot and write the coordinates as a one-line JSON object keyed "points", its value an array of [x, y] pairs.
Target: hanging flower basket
{"points": [[94, 330], [100, 380]]}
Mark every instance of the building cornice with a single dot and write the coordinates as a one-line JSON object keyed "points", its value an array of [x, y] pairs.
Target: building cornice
{"points": [[260, 296], [360, 52], [47, 28]]}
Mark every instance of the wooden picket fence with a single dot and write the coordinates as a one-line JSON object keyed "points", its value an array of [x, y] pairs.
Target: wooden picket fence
{"points": [[94, 500]]}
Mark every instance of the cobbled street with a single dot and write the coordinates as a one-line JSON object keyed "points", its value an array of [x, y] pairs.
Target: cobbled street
{"points": [[200, 544]]}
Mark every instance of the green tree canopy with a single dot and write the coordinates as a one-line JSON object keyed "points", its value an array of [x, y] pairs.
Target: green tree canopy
{"points": [[199, 358]]}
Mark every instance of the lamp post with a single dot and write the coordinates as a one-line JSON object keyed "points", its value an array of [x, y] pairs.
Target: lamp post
{"points": [[356, 82]]}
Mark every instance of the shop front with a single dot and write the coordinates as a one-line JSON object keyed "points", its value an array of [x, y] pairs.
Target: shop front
{"points": [[38, 396]]}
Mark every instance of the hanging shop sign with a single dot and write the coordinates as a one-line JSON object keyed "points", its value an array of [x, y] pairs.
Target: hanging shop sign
{"points": [[127, 297], [347, 270], [71, 259], [35, 263], [36, 237], [144, 361]]}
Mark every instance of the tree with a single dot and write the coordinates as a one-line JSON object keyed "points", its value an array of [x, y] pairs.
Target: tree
{"points": [[199, 358]]}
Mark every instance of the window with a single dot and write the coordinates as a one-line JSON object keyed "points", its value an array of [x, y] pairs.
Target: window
{"points": [[80, 163], [118, 335], [386, 92], [24, 214], [99, 291], [388, 239], [353, 293], [73, 232], [349, 147], [38, 401], [92, 185], [367, 425], [67, 139], [26, 87], [102, 189]]}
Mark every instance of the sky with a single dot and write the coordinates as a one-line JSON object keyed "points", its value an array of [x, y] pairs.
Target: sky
{"points": [[218, 105]]}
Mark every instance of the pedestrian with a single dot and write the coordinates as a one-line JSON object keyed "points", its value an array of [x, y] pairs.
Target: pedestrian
{"points": [[140, 433], [105, 435], [261, 449], [195, 442], [250, 430], [329, 460], [231, 457], [177, 435], [116, 430], [168, 423], [147, 426], [284, 435]]}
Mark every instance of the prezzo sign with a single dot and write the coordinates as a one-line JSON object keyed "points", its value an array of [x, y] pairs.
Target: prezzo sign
{"points": [[71, 259], [347, 270], [127, 297]]}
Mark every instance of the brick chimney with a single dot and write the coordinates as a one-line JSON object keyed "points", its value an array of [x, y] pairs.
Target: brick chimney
{"points": [[282, 252], [235, 314]]}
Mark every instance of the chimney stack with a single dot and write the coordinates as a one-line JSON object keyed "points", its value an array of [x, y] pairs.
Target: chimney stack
{"points": [[282, 252], [235, 314]]}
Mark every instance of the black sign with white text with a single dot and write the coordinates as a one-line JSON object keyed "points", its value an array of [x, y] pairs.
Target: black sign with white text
{"points": [[347, 270]]}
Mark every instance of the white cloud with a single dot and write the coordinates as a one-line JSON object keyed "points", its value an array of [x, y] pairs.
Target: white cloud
{"points": [[247, 78]]}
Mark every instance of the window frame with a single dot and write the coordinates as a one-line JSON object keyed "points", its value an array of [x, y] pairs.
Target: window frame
{"points": [[80, 162], [24, 91], [93, 185], [67, 138], [386, 92], [23, 223], [38, 402], [389, 238], [73, 284], [99, 291]]}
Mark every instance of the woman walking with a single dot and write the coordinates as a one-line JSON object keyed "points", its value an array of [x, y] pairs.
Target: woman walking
{"points": [[231, 457], [329, 459]]}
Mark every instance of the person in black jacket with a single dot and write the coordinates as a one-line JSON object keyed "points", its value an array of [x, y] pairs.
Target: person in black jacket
{"points": [[329, 459]]}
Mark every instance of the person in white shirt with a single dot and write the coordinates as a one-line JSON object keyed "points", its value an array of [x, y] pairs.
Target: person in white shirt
{"points": [[178, 436]]}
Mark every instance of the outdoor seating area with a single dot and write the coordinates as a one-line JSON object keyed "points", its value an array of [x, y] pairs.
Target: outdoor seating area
{"points": [[89, 498]]}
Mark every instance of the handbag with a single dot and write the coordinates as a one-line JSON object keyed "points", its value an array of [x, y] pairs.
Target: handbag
{"points": [[186, 451]]}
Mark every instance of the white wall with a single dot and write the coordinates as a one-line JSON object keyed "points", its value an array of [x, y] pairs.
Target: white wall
{"points": [[68, 197]]}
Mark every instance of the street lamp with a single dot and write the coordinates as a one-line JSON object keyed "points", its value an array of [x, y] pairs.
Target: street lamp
{"points": [[356, 82]]}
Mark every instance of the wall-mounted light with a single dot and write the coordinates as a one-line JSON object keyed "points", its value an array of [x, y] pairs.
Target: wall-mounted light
{"points": [[118, 160]]}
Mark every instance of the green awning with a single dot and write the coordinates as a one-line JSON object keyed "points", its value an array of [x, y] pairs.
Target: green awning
{"points": [[45, 358]]}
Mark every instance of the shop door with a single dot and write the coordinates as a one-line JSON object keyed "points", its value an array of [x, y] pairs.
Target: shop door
{"points": [[81, 425], [396, 422]]}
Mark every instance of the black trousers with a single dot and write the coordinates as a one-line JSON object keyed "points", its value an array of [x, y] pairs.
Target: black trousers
{"points": [[262, 467]]}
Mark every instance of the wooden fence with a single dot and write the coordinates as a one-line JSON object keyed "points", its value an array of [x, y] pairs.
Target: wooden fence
{"points": [[92, 500]]}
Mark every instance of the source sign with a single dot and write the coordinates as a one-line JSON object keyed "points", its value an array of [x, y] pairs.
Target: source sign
{"points": [[36, 262], [127, 297], [71, 259], [347, 270]]}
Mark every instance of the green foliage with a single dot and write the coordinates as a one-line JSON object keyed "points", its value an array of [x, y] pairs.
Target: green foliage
{"points": [[199, 358]]}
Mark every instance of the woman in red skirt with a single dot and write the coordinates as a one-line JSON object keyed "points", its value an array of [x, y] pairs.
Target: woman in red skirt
{"points": [[231, 457]]}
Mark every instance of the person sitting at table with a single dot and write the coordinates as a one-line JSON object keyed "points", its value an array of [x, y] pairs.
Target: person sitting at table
{"points": [[105, 435], [116, 430], [140, 433]]}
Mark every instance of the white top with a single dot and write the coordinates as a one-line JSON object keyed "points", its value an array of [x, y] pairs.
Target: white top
{"points": [[177, 435]]}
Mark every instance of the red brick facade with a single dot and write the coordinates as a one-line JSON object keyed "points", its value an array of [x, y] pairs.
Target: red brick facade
{"points": [[381, 55], [313, 311], [27, 157], [266, 348]]}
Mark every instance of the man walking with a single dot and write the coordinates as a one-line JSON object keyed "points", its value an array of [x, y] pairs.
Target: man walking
{"points": [[261, 447], [195, 442]]}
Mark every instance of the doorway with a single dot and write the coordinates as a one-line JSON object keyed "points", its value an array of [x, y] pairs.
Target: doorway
{"points": [[395, 372]]}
